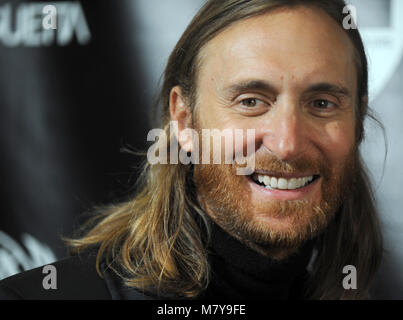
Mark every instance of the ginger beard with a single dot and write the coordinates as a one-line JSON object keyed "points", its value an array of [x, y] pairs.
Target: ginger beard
{"points": [[273, 226]]}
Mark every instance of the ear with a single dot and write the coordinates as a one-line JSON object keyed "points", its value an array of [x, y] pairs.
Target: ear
{"points": [[181, 112]]}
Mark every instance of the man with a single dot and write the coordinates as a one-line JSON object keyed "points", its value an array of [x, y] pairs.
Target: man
{"points": [[288, 70]]}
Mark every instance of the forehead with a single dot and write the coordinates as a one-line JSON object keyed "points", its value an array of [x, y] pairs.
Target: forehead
{"points": [[301, 44]]}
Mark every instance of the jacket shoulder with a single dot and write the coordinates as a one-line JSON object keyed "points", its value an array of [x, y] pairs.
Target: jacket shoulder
{"points": [[73, 278]]}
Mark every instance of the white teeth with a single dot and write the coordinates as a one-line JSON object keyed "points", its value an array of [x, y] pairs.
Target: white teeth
{"points": [[273, 182], [292, 184], [282, 183], [300, 182]]}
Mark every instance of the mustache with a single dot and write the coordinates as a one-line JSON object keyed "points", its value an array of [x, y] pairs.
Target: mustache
{"points": [[265, 161]]}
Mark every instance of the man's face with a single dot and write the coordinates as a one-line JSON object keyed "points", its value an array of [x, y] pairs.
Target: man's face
{"points": [[289, 75]]}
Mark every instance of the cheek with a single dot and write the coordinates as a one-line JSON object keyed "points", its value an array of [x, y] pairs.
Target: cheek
{"points": [[244, 136], [213, 117], [337, 140], [233, 130]]}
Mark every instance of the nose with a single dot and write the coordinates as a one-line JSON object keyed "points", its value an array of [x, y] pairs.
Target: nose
{"points": [[285, 134]]}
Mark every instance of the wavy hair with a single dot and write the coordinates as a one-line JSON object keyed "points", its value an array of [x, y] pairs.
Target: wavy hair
{"points": [[158, 237]]}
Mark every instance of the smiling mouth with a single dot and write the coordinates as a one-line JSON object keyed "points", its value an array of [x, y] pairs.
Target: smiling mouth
{"points": [[283, 183]]}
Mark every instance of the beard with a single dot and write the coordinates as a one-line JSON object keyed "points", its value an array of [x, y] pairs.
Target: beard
{"points": [[273, 227]]}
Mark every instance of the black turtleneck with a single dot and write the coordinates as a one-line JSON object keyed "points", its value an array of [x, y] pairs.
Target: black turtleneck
{"points": [[239, 272]]}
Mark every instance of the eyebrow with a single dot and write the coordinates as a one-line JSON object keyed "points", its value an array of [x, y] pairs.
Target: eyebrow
{"points": [[329, 88], [257, 85], [261, 85]]}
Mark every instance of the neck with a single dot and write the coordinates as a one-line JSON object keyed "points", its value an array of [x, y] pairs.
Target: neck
{"points": [[268, 250], [240, 272]]}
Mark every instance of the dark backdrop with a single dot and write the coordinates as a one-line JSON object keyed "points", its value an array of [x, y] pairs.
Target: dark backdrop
{"points": [[66, 110]]}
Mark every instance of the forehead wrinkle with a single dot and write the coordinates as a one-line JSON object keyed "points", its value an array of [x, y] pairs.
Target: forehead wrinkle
{"points": [[270, 69], [228, 43]]}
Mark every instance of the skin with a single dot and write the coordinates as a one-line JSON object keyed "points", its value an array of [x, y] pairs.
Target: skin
{"points": [[290, 75]]}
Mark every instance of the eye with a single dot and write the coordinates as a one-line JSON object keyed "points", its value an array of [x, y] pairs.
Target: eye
{"points": [[251, 105], [323, 104], [250, 102]]}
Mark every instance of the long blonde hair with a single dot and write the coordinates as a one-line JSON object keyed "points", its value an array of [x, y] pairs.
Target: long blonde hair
{"points": [[155, 238]]}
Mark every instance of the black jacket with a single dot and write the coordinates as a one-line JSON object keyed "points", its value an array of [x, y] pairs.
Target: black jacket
{"points": [[237, 273], [77, 279]]}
